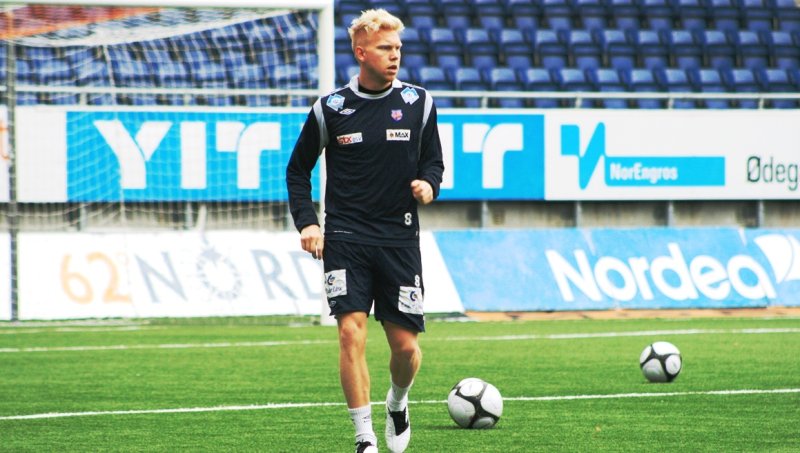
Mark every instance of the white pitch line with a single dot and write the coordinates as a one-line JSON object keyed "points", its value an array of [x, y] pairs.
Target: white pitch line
{"points": [[556, 336], [381, 403]]}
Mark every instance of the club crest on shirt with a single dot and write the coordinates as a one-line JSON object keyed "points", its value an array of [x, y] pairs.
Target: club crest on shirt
{"points": [[335, 101], [397, 115], [409, 95]]}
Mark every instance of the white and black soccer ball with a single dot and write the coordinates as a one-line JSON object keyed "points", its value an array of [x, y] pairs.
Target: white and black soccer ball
{"points": [[661, 362], [475, 404]]}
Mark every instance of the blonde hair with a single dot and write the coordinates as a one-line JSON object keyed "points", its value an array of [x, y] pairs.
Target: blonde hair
{"points": [[371, 21]]}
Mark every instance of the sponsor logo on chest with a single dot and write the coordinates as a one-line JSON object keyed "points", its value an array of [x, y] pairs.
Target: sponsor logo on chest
{"points": [[398, 135], [349, 139]]}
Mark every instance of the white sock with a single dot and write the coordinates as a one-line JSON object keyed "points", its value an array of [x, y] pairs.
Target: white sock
{"points": [[398, 397], [362, 420]]}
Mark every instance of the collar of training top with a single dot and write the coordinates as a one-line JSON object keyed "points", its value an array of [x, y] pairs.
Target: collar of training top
{"points": [[354, 87]]}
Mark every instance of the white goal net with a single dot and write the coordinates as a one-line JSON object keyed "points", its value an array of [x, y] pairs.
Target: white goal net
{"points": [[143, 148], [155, 116]]}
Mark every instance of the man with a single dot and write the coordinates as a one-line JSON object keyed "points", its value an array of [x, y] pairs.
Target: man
{"points": [[383, 157]]}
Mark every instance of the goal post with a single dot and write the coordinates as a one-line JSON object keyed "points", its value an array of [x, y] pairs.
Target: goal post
{"points": [[139, 116]]}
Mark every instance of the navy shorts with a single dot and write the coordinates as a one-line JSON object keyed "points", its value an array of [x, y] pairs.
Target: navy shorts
{"points": [[358, 274]]}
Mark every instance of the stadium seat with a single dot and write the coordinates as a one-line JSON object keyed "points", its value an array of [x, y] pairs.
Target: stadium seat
{"points": [[397, 8], [53, 72], [490, 15], [691, 15], [657, 15], [709, 80], [539, 79], [172, 74], [584, 52], [480, 50], [469, 79], [787, 15], [618, 51], [775, 80], [131, 73], [549, 50], [456, 14], [557, 14], [685, 51], [574, 80], [422, 14], [524, 14], [505, 79], [742, 80], [676, 80], [756, 15], [785, 53], [415, 52], [515, 51], [641, 80], [92, 73], [433, 78], [242, 74], [719, 52], [608, 80], [341, 40], [444, 45], [210, 71], [724, 14], [591, 14], [624, 15], [753, 53], [652, 51]]}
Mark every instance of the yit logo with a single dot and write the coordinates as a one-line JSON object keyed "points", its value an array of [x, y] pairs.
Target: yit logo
{"points": [[639, 171], [134, 151], [491, 142]]}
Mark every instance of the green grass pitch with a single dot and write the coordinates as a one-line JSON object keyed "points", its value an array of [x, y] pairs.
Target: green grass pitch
{"points": [[251, 384]]}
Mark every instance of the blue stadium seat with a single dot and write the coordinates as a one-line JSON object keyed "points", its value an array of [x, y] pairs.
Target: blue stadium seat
{"points": [[574, 80], [524, 14], [505, 79], [785, 53], [549, 50], [172, 74], [480, 50], [756, 15], [341, 40], [724, 14], [742, 80], [131, 73], [26, 98], [676, 80], [422, 14], [691, 15], [101, 99], [540, 79], [515, 51], [433, 78], [591, 14], [210, 71], [787, 15], [456, 14], [92, 73], [657, 15], [397, 8], [624, 14], [653, 53], [618, 51], [58, 99], [415, 52], [753, 53], [54, 72], [469, 79], [775, 80], [719, 52], [242, 74], [641, 80], [584, 52], [557, 14], [490, 15], [709, 80], [685, 51], [444, 45], [608, 80]]}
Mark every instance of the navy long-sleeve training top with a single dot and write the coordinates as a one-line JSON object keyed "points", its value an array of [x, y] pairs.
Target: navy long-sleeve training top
{"points": [[375, 145]]}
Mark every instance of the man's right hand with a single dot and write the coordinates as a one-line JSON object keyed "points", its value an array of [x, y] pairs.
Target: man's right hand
{"points": [[311, 240]]}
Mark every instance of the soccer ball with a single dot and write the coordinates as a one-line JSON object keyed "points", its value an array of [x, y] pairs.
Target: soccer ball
{"points": [[661, 362], [474, 403]]}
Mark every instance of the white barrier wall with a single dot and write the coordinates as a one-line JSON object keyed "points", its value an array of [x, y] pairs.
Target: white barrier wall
{"points": [[181, 274]]}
